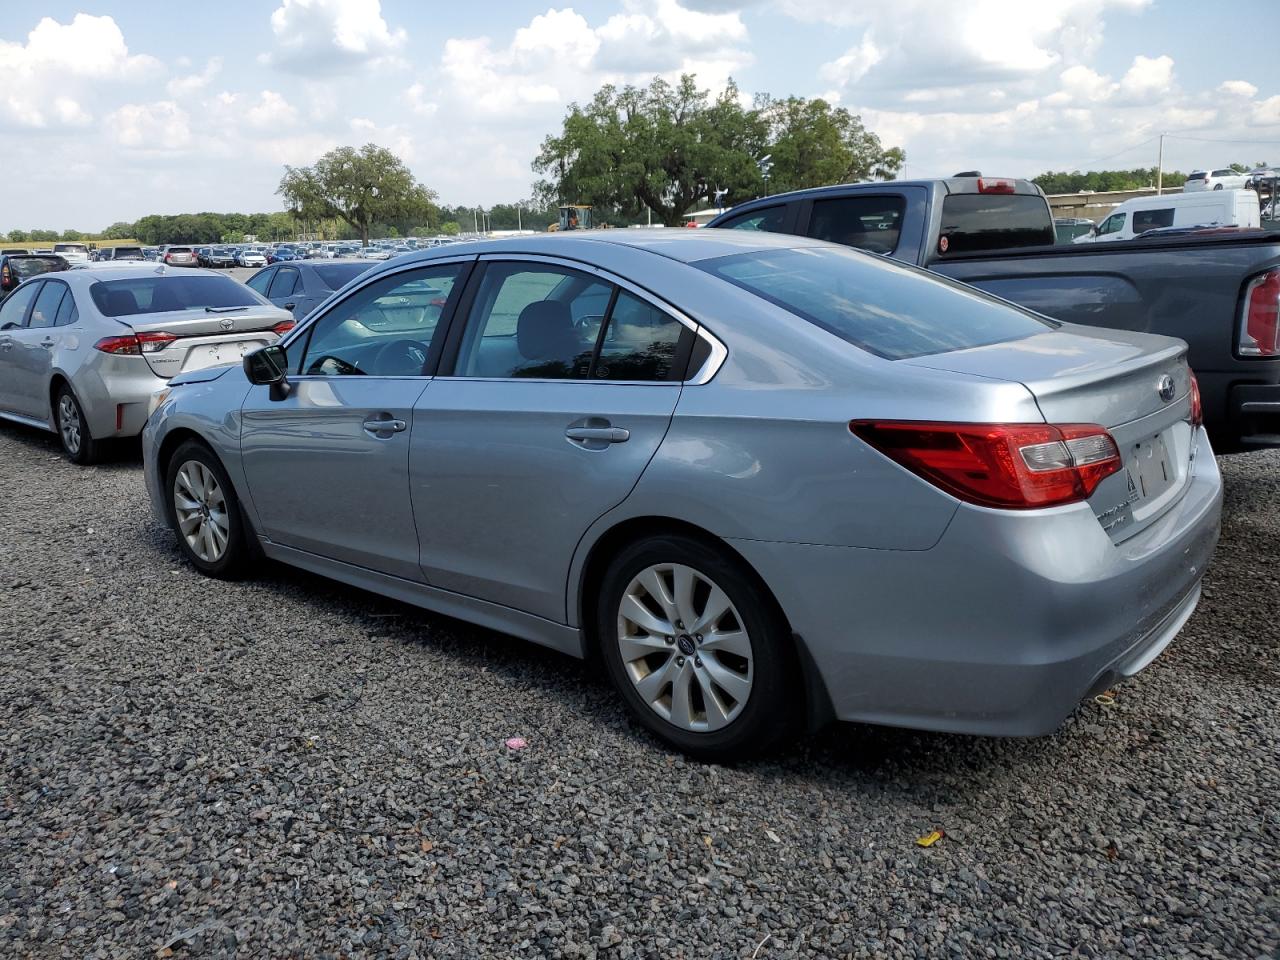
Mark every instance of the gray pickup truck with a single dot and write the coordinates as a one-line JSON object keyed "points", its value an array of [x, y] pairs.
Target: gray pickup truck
{"points": [[1218, 292]]}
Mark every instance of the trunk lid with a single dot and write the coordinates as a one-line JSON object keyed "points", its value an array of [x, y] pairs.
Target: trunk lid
{"points": [[1136, 385], [204, 337]]}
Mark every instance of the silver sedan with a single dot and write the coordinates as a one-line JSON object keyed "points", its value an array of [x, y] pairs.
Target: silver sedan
{"points": [[83, 351], [766, 481]]}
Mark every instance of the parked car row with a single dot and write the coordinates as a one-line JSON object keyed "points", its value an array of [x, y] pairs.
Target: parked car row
{"points": [[675, 451]]}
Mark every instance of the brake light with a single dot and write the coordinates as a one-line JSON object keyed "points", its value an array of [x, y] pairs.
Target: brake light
{"points": [[1260, 322], [1015, 466], [283, 327], [155, 342], [121, 346], [995, 186], [1197, 410]]}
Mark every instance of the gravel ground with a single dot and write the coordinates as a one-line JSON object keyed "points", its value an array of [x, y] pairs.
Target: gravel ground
{"points": [[289, 768]]}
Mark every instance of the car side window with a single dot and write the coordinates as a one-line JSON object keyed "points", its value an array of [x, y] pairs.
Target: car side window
{"points": [[284, 284], [1113, 224], [868, 223], [14, 310], [67, 312], [384, 329], [260, 281], [769, 219], [45, 311], [640, 343], [1152, 219], [526, 322]]}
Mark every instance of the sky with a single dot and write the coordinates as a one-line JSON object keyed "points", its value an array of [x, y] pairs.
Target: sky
{"points": [[110, 111]]}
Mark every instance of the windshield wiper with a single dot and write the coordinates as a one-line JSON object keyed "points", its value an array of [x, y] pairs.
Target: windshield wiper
{"points": [[223, 309]]}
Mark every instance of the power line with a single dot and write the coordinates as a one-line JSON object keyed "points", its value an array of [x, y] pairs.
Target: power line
{"points": [[1128, 149], [1180, 136]]}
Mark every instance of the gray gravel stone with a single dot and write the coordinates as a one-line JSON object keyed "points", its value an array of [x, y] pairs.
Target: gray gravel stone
{"points": [[287, 767]]}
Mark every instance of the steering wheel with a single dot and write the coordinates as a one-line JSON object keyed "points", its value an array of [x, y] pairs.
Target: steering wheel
{"points": [[401, 358]]}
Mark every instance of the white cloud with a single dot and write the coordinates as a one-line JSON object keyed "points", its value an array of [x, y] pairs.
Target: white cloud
{"points": [[325, 36], [271, 110], [1148, 78], [151, 127], [1238, 88], [416, 98], [69, 58], [179, 87], [854, 64]]}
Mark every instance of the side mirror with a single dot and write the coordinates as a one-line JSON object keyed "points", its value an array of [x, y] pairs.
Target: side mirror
{"points": [[266, 367]]}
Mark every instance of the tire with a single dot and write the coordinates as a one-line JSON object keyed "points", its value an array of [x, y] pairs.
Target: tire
{"points": [[203, 506], [1217, 186], [719, 699], [73, 430]]}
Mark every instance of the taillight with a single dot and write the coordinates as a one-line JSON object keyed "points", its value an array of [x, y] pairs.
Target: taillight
{"points": [[1260, 323], [1197, 410], [121, 346], [283, 327], [986, 185], [1016, 466], [155, 342]]}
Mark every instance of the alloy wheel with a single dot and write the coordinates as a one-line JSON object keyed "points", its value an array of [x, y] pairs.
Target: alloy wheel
{"points": [[69, 423], [201, 509], [684, 647]]}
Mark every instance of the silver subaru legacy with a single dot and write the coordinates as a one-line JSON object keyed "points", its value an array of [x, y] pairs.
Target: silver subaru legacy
{"points": [[83, 351], [767, 481]]}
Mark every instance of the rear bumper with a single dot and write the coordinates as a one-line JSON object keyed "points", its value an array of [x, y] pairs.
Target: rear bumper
{"points": [[115, 394], [1007, 623], [1242, 413]]}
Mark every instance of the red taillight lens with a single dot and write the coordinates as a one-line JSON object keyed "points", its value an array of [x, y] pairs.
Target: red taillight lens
{"points": [[995, 186], [1197, 410], [283, 327], [1016, 466], [1260, 324], [123, 346]]}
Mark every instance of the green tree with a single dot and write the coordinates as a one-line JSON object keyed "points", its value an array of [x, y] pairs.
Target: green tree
{"points": [[118, 230], [665, 148], [450, 228], [18, 236], [357, 186], [812, 144], [1101, 181]]}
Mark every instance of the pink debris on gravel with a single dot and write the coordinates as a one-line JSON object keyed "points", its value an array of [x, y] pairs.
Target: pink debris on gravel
{"points": [[516, 743]]}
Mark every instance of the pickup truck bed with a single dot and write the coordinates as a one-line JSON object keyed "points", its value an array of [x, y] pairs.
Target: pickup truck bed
{"points": [[1188, 287]]}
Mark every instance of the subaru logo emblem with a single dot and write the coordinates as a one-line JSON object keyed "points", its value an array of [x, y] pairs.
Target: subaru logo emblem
{"points": [[1166, 388], [227, 323]]}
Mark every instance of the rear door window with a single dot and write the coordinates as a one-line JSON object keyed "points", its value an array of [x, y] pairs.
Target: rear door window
{"points": [[45, 312], [285, 283], [973, 222], [868, 223], [883, 307], [640, 342], [769, 219]]}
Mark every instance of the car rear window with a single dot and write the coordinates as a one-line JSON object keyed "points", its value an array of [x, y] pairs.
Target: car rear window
{"points": [[33, 266], [336, 275], [883, 307], [1198, 175], [178, 250], [973, 222], [136, 295]]}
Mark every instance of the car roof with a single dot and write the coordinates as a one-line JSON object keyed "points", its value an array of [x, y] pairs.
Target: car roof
{"points": [[676, 243], [97, 273]]}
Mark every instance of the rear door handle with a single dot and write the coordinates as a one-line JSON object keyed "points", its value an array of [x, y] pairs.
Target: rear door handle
{"points": [[47, 343], [384, 426], [599, 434]]}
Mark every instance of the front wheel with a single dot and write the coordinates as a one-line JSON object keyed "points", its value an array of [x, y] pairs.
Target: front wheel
{"points": [[699, 656], [205, 513], [77, 443]]}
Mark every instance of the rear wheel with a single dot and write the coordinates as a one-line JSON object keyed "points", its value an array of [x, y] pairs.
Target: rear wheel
{"points": [[77, 443], [700, 657], [205, 513]]}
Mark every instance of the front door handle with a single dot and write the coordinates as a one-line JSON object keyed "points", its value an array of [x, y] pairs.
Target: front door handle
{"points": [[289, 306], [47, 343], [384, 426], [607, 434]]}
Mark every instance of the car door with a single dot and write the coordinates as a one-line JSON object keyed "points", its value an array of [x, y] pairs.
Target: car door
{"points": [[547, 416], [260, 282], [13, 319], [285, 286], [328, 464], [32, 354]]}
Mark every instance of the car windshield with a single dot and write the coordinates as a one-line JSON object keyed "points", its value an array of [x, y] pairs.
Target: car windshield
{"points": [[31, 266], [156, 294], [69, 248], [335, 275], [882, 307]]}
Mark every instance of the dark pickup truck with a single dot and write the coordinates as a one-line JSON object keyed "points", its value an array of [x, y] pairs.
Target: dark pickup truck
{"points": [[1219, 293]]}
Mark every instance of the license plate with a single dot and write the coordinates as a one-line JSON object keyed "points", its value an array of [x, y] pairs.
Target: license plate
{"points": [[1150, 471], [213, 354]]}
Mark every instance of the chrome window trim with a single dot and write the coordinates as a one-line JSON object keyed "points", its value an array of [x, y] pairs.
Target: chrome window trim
{"points": [[719, 352]]}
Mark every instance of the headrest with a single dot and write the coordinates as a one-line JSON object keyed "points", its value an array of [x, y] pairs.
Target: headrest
{"points": [[545, 331]]}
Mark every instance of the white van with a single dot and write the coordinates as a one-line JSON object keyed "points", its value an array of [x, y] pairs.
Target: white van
{"points": [[1224, 208]]}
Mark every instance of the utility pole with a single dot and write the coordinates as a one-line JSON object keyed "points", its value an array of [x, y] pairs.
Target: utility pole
{"points": [[1160, 168], [475, 219], [519, 222]]}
